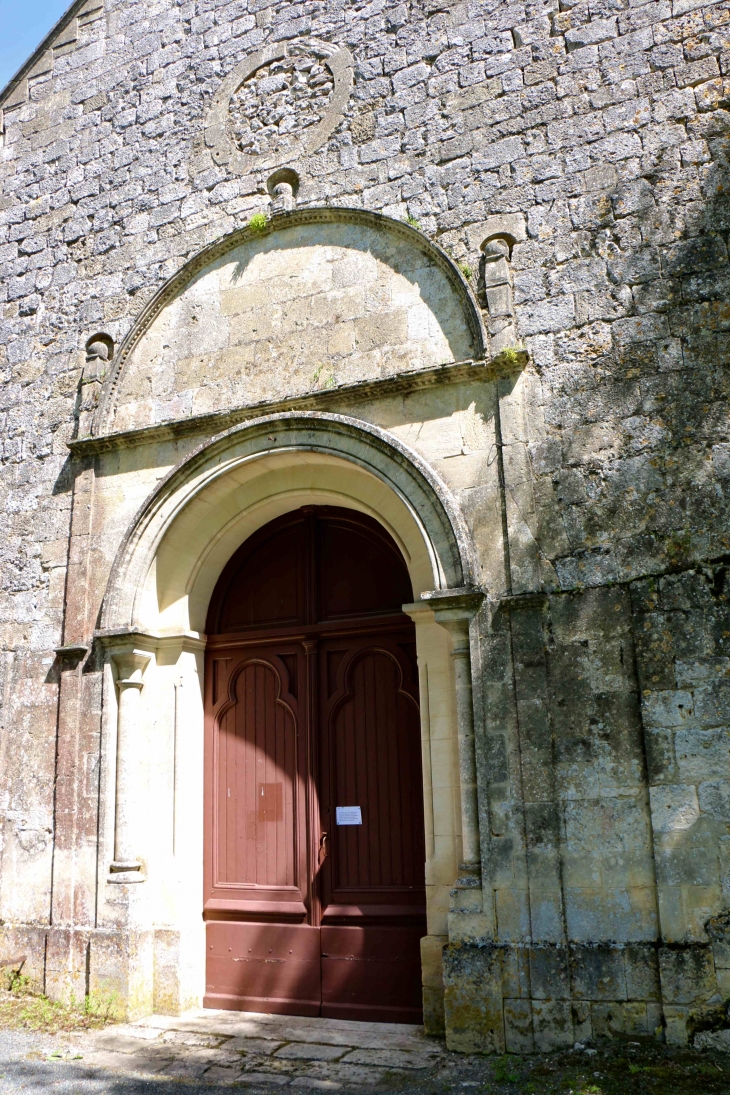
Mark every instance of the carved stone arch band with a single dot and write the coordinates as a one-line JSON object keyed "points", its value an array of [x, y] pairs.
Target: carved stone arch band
{"points": [[383, 455]]}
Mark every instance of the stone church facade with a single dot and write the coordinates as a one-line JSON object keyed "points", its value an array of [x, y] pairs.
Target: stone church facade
{"points": [[459, 266]]}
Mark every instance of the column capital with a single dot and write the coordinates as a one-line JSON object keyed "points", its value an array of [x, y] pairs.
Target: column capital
{"points": [[130, 666], [449, 605], [454, 610], [125, 637], [119, 640]]}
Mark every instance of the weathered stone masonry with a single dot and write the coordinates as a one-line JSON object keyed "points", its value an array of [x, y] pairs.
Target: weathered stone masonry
{"points": [[570, 164]]}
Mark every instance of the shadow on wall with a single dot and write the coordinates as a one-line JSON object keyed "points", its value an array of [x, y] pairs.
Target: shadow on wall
{"points": [[641, 488], [638, 394]]}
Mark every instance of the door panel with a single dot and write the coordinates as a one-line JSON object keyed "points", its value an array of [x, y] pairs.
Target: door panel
{"points": [[312, 703], [372, 882], [360, 570], [372, 755], [372, 973], [263, 967], [257, 839], [264, 583], [256, 769]]}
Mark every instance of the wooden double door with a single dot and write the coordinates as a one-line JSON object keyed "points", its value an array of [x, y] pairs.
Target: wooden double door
{"points": [[314, 851]]}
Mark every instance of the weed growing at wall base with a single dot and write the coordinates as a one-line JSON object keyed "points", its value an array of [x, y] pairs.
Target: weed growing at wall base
{"points": [[23, 1006]]}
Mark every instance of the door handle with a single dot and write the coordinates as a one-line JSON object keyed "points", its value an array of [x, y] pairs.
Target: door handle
{"points": [[322, 848]]}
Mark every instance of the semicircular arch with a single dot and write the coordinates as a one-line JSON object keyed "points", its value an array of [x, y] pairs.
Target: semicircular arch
{"points": [[181, 539], [316, 298]]}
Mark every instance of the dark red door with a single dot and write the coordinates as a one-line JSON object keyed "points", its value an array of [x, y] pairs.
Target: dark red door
{"points": [[314, 853]]}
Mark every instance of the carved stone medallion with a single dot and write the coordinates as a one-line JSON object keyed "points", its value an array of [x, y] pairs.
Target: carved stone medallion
{"points": [[279, 104]]}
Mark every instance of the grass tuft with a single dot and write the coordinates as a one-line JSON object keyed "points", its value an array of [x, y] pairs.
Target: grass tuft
{"points": [[258, 222], [512, 354]]}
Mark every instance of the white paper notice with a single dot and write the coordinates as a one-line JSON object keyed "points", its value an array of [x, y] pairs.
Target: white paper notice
{"points": [[349, 815]]}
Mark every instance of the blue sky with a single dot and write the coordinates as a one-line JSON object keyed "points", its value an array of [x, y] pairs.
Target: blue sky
{"points": [[23, 24]]}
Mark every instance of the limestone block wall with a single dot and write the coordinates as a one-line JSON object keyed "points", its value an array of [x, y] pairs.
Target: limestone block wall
{"points": [[592, 142]]}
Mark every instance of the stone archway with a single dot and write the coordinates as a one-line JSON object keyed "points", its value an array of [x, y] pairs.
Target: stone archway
{"points": [[152, 622]]}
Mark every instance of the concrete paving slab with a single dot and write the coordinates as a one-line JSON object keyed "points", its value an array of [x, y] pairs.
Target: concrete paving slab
{"points": [[219, 1048], [184, 1070], [353, 1038], [128, 1062], [316, 1085], [193, 1038], [133, 1030], [263, 1046], [300, 1029], [218, 1074], [350, 1076], [267, 1078], [270, 1065], [224, 1058], [119, 1043]]}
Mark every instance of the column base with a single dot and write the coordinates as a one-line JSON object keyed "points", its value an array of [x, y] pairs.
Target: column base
{"points": [[432, 967]]}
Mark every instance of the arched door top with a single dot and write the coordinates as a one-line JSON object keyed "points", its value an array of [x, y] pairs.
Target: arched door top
{"points": [[278, 440]]}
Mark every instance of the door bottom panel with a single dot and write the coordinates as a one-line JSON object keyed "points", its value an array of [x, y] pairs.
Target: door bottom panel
{"points": [[264, 1005], [372, 973], [263, 967]]}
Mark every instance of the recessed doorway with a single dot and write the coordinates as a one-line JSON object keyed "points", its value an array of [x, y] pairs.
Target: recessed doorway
{"points": [[314, 846]]}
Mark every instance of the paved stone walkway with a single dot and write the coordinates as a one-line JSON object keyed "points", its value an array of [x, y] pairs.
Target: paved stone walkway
{"points": [[229, 1047], [207, 1053]]}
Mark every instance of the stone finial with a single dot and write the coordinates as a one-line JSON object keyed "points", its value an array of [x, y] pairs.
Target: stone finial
{"points": [[99, 347], [283, 198], [497, 290], [283, 186], [496, 248]]}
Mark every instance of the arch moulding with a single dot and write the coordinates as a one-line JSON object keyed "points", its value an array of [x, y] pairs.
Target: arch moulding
{"points": [[264, 443]]}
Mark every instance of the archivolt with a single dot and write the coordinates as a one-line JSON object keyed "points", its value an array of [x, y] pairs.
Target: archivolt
{"points": [[419, 489]]}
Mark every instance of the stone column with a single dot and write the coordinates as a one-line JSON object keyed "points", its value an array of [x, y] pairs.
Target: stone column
{"points": [[473, 1009], [130, 667], [454, 609]]}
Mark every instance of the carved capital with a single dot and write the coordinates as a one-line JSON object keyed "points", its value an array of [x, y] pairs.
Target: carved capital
{"points": [[454, 610], [130, 666]]}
